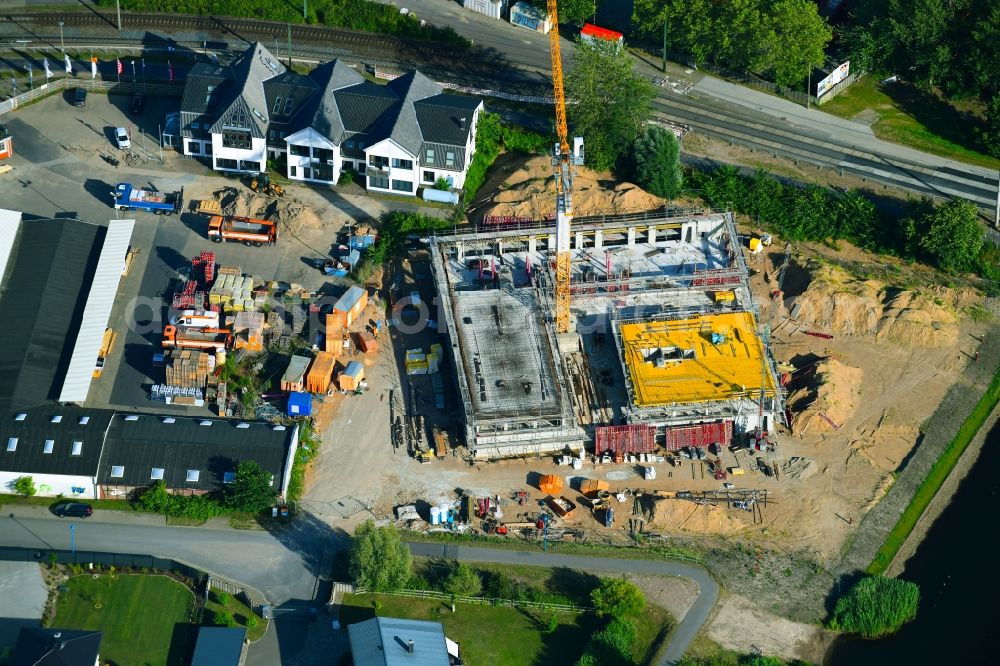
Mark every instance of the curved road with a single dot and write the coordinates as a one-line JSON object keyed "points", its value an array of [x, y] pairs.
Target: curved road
{"points": [[284, 566]]}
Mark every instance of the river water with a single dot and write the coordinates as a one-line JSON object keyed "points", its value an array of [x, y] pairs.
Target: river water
{"points": [[956, 569]]}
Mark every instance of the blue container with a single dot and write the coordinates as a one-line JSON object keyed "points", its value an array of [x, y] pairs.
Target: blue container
{"points": [[299, 404]]}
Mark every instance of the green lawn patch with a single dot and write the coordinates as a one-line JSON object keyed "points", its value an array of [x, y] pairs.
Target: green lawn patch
{"points": [[916, 118], [937, 475], [145, 619], [242, 615]]}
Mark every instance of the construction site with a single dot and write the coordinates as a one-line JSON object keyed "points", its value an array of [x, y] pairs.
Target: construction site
{"points": [[664, 348]]}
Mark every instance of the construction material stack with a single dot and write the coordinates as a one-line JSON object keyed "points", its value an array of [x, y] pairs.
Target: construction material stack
{"points": [[335, 335], [320, 373], [188, 368], [248, 331]]}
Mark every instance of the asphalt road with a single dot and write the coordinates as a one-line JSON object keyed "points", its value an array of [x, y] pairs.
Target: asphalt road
{"points": [[285, 566]]}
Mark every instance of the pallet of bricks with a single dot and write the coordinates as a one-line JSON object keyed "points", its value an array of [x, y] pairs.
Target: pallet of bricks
{"points": [[232, 291], [188, 368]]}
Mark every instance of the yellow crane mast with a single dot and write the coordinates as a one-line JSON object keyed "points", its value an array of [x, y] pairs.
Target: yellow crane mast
{"points": [[563, 161]]}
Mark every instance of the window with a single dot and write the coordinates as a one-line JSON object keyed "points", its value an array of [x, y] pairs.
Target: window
{"points": [[429, 176], [117, 471], [289, 103], [299, 151], [378, 162], [378, 181], [277, 105], [224, 163], [402, 164], [324, 155], [236, 138], [306, 172], [57, 418], [361, 144], [272, 134], [77, 448], [281, 135], [402, 185], [12, 444], [49, 445], [293, 172], [169, 419], [84, 420], [156, 474], [192, 476], [21, 416], [206, 422], [243, 425], [449, 158], [229, 477], [349, 143], [430, 155], [323, 172], [208, 93], [132, 417]]}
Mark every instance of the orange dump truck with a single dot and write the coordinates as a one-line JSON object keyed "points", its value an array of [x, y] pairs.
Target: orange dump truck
{"points": [[195, 338], [246, 230]]}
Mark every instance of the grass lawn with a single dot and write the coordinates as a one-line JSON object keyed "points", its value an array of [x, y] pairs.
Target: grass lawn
{"points": [[916, 118], [510, 636], [240, 612], [145, 619]]}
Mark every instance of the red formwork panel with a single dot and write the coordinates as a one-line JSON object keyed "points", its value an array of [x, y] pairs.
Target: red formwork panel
{"points": [[702, 434], [624, 439]]}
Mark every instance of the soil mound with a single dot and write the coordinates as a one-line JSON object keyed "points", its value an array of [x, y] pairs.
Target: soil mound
{"points": [[675, 514], [840, 303], [292, 215], [831, 395], [530, 192]]}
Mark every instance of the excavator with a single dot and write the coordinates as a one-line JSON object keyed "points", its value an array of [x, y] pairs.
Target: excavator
{"points": [[262, 183]]}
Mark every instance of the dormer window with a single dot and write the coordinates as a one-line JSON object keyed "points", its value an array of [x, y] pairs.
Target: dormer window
{"points": [[277, 105]]}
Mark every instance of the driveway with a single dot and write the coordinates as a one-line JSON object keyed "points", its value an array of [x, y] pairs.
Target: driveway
{"points": [[22, 599]]}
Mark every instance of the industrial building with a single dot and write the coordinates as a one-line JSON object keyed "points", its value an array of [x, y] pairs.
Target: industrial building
{"points": [[664, 339]]}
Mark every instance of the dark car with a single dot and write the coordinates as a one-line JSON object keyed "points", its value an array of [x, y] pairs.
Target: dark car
{"points": [[137, 103], [80, 97], [73, 510]]}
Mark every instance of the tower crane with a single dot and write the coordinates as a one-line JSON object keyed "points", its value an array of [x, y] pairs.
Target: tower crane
{"points": [[563, 162]]}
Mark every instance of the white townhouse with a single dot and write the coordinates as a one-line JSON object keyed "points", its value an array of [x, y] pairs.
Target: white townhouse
{"points": [[402, 135]]}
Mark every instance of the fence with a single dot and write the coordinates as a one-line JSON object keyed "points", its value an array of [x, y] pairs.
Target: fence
{"points": [[347, 588], [840, 87], [91, 85]]}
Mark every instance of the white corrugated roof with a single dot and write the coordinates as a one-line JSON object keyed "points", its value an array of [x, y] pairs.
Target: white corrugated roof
{"points": [[10, 220], [103, 289]]}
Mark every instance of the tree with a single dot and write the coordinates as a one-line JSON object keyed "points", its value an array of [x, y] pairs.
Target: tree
{"points": [[876, 606], [953, 235], [251, 491], [658, 162], [617, 597], [223, 619], [379, 560], [463, 581], [576, 12], [610, 101], [989, 134], [25, 485], [797, 40]]}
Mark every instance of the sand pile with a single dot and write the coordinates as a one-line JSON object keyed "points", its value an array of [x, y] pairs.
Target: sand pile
{"points": [[291, 214], [832, 391], [837, 302], [530, 192], [676, 514], [798, 467]]}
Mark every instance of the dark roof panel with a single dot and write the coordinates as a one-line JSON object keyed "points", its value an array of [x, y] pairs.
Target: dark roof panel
{"points": [[29, 456], [440, 118], [56, 647], [219, 646]]}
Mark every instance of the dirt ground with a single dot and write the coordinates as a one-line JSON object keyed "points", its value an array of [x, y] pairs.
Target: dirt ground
{"points": [[739, 624], [677, 595]]}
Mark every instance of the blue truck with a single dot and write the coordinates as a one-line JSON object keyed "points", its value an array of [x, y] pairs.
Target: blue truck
{"points": [[128, 197]]}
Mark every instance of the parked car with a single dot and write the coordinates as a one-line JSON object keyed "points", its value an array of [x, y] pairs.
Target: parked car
{"points": [[80, 97], [121, 138], [73, 510], [138, 101]]}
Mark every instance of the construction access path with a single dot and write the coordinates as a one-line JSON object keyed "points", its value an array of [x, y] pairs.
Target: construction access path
{"points": [[680, 640]]}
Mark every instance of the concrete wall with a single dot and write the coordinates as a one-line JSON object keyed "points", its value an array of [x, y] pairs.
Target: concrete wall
{"points": [[52, 485]]}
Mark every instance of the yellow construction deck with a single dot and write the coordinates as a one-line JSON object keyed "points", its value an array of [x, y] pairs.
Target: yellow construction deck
{"points": [[675, 361]]}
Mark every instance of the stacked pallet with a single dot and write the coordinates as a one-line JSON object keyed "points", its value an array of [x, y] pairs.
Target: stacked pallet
{"points": [[188, 368], [233, 292], [248, 331], [335, 335]]}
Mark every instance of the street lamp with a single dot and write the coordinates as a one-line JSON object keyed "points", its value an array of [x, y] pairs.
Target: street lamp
{"points": [[61, 42], [72, 540]]}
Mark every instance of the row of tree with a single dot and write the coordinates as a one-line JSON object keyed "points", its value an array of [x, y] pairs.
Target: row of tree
{"points": [[951, 44], [779, 39]]}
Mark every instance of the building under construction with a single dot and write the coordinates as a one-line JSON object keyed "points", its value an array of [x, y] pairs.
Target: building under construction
{"points": [[665, 349]]}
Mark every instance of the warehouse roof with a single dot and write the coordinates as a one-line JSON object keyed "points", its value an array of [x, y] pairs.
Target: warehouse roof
{"points": [[53, 440], [677, 361], [190, 453], [44, 290], [384, 641]]}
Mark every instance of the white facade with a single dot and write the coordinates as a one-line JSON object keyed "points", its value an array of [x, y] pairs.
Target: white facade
{"points": [[319, 154], [493, 8], [52, 485], [389, 162], [253, 159]]}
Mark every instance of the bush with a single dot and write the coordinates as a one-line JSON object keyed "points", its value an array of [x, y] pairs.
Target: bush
{"points": [[223, 619], [346, 178], [221, 598], [617, 597], [611, 646], [876, 606], [379, 560], [251, 622], [25, 485], [463, 581]]}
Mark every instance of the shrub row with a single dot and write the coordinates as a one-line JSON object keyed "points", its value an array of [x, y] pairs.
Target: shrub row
{"points": [[492, 138]]}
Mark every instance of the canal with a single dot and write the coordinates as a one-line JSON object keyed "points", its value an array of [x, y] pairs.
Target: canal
{"points": [[959, 587]]}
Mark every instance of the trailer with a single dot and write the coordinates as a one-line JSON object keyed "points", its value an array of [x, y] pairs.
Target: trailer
{"points": [[106, 344], [129, 197], [246, 230], [196, 338]]}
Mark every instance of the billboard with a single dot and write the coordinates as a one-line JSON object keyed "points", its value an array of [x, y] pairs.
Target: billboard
{"points": [[835, 77]]}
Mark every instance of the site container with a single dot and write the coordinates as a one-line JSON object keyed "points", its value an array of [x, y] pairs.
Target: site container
{"points": [[350, 378], [299, 404], [320, 373], [294, 378], [366, 342], [350, 306]]}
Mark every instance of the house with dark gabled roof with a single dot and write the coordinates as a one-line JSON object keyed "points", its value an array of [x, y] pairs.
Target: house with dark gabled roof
{"points": [[56, 647], [401, 136]]}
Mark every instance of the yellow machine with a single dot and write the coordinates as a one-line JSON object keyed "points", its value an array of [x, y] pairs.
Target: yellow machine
{"points": [[563, 161]]}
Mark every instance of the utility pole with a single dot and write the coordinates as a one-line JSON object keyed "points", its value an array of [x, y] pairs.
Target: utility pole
{"points": [[289, 46], [809, 86], [72, 540], [62, 42], [305, 6], [118, 5], [664, 43]]}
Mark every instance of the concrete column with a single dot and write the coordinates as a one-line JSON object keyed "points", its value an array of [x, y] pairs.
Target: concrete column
{"points": [[499, 248], [652, 234], [550, 244], [460, 251], [579, 240], [631, 236], [598, 239], [532, 245]]}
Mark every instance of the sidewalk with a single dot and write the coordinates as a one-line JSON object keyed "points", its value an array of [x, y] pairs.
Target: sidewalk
{"points": [[100, 515]]}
